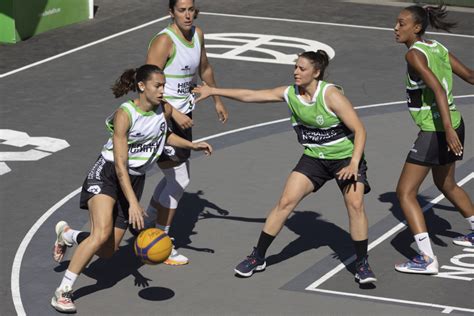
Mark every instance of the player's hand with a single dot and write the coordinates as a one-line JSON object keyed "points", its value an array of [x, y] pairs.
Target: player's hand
{"points": [[135, 216], [203, 146], [454, 144], [183, 121], [204, 92], [349, 172], [221, 111]]}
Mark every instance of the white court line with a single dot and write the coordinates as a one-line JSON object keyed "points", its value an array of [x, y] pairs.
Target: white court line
{"points": [[15, 277], [314, 286], [212, 14], [81, 47], [445, 308], [325, 23]]}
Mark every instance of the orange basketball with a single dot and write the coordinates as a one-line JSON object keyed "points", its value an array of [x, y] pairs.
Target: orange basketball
{"points": [[153, 246]]}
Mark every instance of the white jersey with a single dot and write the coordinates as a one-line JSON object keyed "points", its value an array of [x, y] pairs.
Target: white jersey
{"points": [[146, 137], [181, 70]]}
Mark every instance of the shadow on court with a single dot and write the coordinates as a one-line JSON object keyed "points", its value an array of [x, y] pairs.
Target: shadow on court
{"points": [[108, 272], [313, 233], [437, 226], [189, 211]]}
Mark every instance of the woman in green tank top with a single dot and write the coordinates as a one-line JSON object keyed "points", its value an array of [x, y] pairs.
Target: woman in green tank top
{"points": [[440, 140], [333, 138]]}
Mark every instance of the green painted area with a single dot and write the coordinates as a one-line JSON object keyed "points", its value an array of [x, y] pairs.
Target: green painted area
{"points": [[21, 19]]}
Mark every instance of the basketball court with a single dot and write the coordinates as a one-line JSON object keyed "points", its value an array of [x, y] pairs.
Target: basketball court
{"points": [[53, 114]]}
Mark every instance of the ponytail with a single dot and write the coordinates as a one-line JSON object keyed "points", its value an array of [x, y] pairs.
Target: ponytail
{"points": [[130, 78], [430, 15], [125, 83], [436, 16], [319, 59]]}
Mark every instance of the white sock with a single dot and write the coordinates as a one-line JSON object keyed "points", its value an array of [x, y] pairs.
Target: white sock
{"points": [[70, 235], [424, 244], [166, 229], [68, 279], [470, 220]]}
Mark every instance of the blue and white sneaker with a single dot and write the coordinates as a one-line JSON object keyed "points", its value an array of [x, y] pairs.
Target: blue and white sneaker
{"points": [[421, 264], [364, 273], [252, 263], [465, 241]]}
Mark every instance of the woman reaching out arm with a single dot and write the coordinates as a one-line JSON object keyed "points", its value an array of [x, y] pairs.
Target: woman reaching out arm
{"points": [[333, 138]]}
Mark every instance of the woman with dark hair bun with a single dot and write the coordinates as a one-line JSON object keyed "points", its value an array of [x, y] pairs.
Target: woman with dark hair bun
{"points": [[333, 138], [439, 144], [113, 187]]}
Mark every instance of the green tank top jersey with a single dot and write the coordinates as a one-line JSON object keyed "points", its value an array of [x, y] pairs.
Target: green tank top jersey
{"points": [[421, 99], [319, 130]]}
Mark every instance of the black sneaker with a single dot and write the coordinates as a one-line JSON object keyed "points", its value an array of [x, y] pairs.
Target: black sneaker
{"points": [[364, 273], [252, 263]]}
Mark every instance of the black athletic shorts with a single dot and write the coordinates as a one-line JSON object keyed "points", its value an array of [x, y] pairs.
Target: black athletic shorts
{"points": [[321, 170], [431, 149], [174, 153], [102, 179]]}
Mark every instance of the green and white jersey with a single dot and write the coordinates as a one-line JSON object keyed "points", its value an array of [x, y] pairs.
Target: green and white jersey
{"points": [[146, 137], [319, 130], [421, 99], [181, 69]]}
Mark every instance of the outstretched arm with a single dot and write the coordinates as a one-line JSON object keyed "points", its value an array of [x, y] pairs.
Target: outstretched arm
{"points": [[417, 61], [242, 95]]}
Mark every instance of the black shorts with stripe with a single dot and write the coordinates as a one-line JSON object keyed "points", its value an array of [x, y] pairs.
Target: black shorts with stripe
{"points": [[431, 148], [171, 153], [102, 179], [321, 170]]}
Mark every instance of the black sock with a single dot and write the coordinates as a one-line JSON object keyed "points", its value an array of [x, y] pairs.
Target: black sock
{"points": [[81, 236], [264, 242], [360, 249]]}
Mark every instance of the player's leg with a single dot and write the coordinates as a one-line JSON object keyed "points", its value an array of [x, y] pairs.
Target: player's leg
{"points": [[296, 188], [165, 200], [358, 225], [101, 214], [411, 178], [443, 177]]}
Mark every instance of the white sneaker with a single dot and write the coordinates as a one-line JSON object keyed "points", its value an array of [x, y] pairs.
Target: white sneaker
{"points": [[176, 259], [421, 264], [62, 300], [61, 244]]}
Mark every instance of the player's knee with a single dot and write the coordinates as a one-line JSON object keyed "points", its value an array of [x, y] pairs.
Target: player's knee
{"points": [[356, 207], [177, 180], [445, 185], [170, 196], [99, 237], [403, 194], [285, 205]]}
